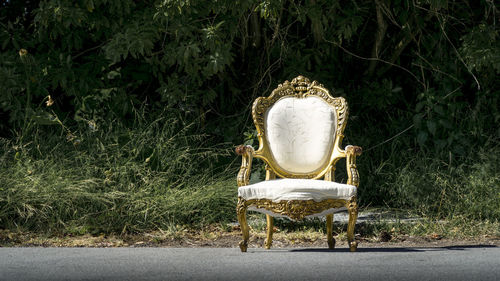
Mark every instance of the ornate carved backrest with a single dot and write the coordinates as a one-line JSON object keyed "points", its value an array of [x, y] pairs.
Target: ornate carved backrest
{"points": [[300, 128]]}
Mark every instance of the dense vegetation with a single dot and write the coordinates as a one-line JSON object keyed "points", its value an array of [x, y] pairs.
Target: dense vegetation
{"points": [[119, 115]]}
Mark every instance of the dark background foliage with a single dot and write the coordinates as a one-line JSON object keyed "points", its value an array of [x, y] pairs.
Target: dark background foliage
{"points": [[420, 77]]}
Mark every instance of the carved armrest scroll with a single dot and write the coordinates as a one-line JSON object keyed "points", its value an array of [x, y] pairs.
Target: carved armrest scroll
{"points": [[246, 152], [351, 152]]}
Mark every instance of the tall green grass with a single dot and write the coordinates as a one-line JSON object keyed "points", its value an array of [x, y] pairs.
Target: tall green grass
{"points": [[113, 178], [471, 190], [438, 185], [159, 172]]}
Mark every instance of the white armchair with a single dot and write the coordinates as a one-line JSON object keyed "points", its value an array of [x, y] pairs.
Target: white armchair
{"points": [[300, 130]]}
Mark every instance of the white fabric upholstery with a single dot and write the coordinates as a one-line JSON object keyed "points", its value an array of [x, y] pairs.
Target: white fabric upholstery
{"points": [[300, 132], [296, 189]]}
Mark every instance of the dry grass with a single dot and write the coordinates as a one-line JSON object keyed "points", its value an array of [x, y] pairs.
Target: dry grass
{"points": [[368, 234]]}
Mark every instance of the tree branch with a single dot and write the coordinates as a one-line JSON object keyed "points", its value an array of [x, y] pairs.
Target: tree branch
{"points": [[379, 37]]}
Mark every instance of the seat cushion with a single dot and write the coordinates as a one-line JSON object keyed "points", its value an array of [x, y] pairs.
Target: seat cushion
{"points": [[296, 189]]}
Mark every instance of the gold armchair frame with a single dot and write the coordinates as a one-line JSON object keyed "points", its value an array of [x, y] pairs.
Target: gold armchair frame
{"points": [[299, 87]]}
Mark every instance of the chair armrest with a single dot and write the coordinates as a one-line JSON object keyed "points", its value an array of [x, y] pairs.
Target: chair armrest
{"points": [[246, 152], [351, 151]]}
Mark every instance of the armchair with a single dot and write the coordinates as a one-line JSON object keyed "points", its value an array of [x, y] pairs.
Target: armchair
{"points": [[300, 130]]}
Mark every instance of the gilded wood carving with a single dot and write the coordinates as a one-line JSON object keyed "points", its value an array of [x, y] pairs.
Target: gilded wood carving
{"points": [[294, 209], [246, 152]]}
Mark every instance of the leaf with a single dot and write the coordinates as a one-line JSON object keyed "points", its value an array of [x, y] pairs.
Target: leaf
{"points": [[16, 45], [422, 138], [431, 125], [419, 106], [5, 42], [397, 89], [445, 123], [114, 74], [45, 118], [417, 119], [440, 144], [439, 109], [90, 5]]}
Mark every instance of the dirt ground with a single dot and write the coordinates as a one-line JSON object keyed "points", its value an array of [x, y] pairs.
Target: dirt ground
{"points": [[218, 238]]}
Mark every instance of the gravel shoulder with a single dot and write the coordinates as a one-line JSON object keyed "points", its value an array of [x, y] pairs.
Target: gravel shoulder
{"points": [[370, 223], [218, 238]]}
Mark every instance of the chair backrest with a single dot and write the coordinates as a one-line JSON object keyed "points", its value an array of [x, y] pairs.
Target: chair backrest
{"points": [[300, 128]]}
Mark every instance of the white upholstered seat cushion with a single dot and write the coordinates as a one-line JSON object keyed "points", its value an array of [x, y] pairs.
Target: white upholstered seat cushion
{"points": [[297, 189]]}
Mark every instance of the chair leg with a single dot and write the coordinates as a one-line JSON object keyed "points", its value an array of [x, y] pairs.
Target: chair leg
{"points": [[241, 211], [352, 207], [329, 232], [270, 225]]}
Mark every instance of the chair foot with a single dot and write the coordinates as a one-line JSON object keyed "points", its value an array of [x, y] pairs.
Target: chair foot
{"points": [[267, 244], [241, 209], [269, 239], [243, 246], [353, 246], [329, 232], [352, 208], [331, 243]]}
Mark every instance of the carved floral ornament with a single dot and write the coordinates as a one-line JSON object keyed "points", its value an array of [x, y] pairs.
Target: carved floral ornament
{"points": [[300, 87], [296, 209]]}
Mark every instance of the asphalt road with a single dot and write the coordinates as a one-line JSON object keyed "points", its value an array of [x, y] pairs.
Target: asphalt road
{"points": [[451, 263]]}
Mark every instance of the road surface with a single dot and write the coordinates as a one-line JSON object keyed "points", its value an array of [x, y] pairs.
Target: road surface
{"points": [[450, 263]]}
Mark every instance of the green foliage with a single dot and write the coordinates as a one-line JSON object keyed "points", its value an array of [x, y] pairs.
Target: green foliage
{"points": [[98, 59], [481, 48]]}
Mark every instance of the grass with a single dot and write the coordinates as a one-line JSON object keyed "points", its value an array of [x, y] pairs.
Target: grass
{"points": [[469, 189], [434, 183], [113, 179], [160, 175], [457, 227], [310, 233]]}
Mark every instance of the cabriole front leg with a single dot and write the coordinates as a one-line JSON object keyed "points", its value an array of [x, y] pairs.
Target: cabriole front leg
{"points": [[352, 207], [270, 225], [241, 211], [329, 231]]}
